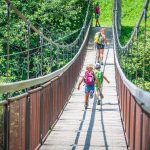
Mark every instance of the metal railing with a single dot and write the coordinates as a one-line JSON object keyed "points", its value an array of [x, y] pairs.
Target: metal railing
{"points": [[134, 102]]}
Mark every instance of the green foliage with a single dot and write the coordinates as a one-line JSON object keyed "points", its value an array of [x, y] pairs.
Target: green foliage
{"points": [[136, 62], [57, 19]]}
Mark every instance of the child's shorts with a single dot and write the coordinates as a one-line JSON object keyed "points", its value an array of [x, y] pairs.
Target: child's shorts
{"points": [[97, 16], [89, 88]]}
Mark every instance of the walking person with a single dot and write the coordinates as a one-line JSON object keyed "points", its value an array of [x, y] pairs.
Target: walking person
{"points": [[89, 79], [97, 14], [100, 76], [99, 44]]}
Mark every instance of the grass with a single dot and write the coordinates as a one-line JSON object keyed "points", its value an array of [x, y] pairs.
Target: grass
{"points": [[131, 11], [105, 18]]}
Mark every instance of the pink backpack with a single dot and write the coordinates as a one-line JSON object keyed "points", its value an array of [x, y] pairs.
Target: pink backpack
{"points": [[89, 78]]}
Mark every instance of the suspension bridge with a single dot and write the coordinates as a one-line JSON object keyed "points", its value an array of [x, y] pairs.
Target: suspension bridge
{"points": [[98, 127], [49, 113]]}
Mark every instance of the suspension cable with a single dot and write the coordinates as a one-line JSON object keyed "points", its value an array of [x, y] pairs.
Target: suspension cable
{"points": [[40, 33], [44, 37]]}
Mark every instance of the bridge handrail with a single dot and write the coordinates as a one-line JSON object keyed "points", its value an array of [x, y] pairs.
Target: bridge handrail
{"points": [[142, 97], [12, 87]]}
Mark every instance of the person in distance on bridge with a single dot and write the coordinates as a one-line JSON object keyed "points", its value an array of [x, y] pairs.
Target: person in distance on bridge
{"points": [[100, 76], [99, 43], [97, 14], [89, 79]]}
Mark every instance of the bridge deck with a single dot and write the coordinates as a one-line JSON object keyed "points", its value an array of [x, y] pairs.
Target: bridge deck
{"points": [[98, 127]]}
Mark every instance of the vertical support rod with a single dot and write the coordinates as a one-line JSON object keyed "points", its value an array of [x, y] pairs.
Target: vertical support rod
{"points": [[57, 54], [137, 48], [131, 61], [83, 33], [63, 52], [127, 62], [41, 45], [8, 38], [118, 8], [71, 53], [145, 19], [6, 107], [67, 54], [50, 57], [6, 119], [28, 46]]}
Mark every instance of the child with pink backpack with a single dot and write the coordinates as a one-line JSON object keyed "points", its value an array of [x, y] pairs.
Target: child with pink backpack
{"points": [[89, 79]]}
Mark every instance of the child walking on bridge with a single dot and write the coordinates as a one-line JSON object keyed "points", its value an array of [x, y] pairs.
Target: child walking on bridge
{"points": [[100, 76], [99, 43], [89, 79]]}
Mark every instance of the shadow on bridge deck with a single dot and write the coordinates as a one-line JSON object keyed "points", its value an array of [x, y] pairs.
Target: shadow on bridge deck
{"points": [[90, 128]]}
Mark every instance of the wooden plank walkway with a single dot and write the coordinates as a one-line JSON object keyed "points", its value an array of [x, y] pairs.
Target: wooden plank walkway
{"points": [[98, 127]]}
